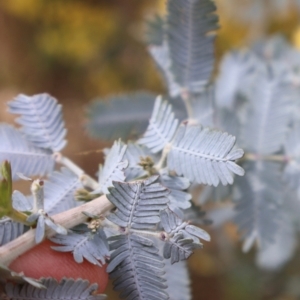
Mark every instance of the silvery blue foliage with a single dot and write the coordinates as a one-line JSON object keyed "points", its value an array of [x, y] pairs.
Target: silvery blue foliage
{"points": [[268, 100], [235, 68], [84, 244], [120, 116], [41, 120], [21, 202], [133, 155], [113, 169], [270, 109], [219, 193], [177, 186], [136, 268], [178, 280], [59, 191], [24, 157], [182, 238], [291, 172], [10, 230], [161, 55], [65, 289], [190, 45], [204, 155], [259, 206], [162, 127], [138, 203], [42, 220], [255, 98], [272, 257]]}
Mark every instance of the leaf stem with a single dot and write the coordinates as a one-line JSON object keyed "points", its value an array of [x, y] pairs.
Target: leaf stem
{"points": [[84, 178], [156, 234], [67, 219], [255, 157], [163, 158], [185, 96], [18, 217]]}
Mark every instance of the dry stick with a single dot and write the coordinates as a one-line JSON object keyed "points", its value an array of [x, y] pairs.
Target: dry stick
{"points": [[68, 219]]}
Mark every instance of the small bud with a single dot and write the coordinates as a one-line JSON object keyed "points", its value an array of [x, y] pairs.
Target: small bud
{"points": [[37, 190]]}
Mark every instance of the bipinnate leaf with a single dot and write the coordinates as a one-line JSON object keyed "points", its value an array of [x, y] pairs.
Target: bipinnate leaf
{"points": [[134, 154], [190, 37], [91, 246], [65, 289], [270, 110], [275, 255], [204, 155], [121, 116], [59, 191], [41, 120], [10, 230], [182, 237], [24, 157], [136, 268], [177, 186], [40, 229], [21, 202], [291, 172], [178, 280], [113, 169], [138, 203], [161, 55], [259, 197], [162, 127], [236, 76]]}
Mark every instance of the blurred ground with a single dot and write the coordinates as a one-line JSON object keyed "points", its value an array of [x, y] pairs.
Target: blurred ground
{"points": [[78, 50]]}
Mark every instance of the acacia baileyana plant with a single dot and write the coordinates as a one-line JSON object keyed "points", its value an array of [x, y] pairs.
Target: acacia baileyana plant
{"points": [[137, 217]]}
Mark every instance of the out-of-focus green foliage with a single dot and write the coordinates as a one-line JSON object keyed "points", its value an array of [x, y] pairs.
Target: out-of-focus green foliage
{"points": [[92, 45], [94, 48], [6, 207], [5, 189], [69, 31]]}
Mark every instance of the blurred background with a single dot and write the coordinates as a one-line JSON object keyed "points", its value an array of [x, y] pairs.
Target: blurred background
{"points": [[78, 50]]}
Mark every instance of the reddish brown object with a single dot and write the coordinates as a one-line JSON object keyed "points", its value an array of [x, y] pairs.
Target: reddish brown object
{"points": [[42, 261]]}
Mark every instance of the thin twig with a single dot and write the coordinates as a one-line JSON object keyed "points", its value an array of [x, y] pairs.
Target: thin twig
{"points": [[68, 219]]}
